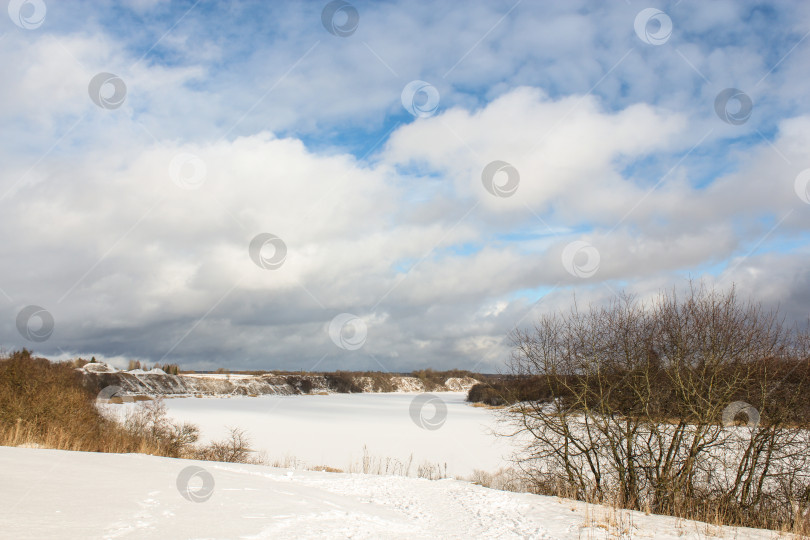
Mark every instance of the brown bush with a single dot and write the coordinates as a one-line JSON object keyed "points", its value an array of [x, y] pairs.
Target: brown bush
{"points": [[380, 381], [44, 403], [301, 384], [510, 390], [343, 382]]}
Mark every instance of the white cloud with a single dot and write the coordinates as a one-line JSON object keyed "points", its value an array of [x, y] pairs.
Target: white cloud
{"points": [[132, 265]]}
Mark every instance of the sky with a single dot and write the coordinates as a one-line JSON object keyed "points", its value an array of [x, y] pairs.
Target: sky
{"points": [[393, 185]]}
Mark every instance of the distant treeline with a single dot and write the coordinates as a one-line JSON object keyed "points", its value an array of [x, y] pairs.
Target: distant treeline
{"points": [[346, 382], [427, 373], [340, 380], [778, 380], [509, 389], [350, 381]]}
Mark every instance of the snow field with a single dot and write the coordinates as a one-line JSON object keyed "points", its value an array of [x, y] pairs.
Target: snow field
{"points": [[66, 495], [341, 430]]}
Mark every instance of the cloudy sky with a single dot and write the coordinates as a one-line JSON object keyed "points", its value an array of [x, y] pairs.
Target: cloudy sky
{"points": [[388, 185]]}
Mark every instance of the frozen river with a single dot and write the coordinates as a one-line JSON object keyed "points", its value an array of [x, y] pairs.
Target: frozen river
{"points": [[332, 430]]}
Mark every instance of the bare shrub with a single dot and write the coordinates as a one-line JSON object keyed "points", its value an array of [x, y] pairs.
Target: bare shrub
{"points": [[79, 362], [387, 466], [637, 397], [150, 420], [507, 479], [432, 471], [235, 448]]}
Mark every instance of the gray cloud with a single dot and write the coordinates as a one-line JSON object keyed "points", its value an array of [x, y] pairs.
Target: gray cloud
{"points": [[133, 260]]}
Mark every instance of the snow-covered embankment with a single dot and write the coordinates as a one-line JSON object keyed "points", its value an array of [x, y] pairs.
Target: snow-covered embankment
{"points": [[156, 382]]}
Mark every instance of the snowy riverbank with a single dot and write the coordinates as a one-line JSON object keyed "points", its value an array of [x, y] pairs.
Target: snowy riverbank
{"points": [[66, 495]]}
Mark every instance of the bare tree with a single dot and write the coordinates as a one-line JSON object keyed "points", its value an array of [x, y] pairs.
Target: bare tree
{"points": [[640, 401]]}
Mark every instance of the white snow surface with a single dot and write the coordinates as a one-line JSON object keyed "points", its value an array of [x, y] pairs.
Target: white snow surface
{"points": [[98, 367], [219, 376], [337, 430], [66, 495], [153, 371]]}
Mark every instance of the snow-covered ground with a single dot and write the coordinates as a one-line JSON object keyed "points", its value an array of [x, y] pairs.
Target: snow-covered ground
{"points": [[333, 429], [57, 494]]}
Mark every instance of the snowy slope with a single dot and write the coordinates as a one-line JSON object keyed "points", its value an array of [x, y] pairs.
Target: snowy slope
{"points": [[58, 494], [156, 382]]}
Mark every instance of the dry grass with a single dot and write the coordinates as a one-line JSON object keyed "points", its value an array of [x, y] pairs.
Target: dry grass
{"points": [[367, 464], [44, 405], [326, 468], [115, 441], [119, 400], [479, 405], [617, 522]]}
